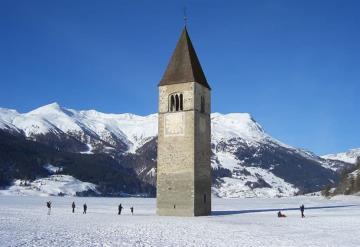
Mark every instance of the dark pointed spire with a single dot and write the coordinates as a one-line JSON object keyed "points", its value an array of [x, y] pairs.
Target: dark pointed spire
{"points": [[184, 66]]}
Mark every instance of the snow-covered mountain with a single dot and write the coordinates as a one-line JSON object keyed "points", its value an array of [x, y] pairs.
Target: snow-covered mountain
{"points": [[91, 130], [246, 160], [261, 165], [350, 178], [348, 156]]}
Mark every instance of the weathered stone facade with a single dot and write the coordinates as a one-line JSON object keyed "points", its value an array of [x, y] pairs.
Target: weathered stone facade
{"points": [[183, 164]]}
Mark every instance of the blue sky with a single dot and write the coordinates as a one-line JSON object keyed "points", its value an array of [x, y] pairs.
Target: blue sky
{"points": [[293, 65]]}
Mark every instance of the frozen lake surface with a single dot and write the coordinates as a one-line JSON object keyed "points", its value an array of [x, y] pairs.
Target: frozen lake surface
{"points": [[235, 222]]}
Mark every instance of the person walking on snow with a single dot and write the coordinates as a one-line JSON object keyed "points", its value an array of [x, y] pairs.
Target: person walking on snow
{"points": [[302, 209], [48, 205], [120, 209], [73, 207], [85, 208], [132, 210]]}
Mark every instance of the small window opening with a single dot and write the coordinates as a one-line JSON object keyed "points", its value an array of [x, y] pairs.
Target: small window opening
{"points": [[181, 102], [172, 103], [176, 102], [204, 198]]}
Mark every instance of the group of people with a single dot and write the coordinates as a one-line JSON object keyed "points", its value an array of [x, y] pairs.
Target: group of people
{"points": [[73, 206], [120, 208], [302, 209]]}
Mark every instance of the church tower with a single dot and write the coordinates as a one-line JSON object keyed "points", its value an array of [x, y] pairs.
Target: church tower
{"points": [[183, 165]]}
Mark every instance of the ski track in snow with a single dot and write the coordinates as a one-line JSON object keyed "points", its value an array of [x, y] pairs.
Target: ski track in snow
{"points": [[24, 222]]}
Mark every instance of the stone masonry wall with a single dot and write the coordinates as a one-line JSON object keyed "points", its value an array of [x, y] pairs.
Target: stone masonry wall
{"points": [[183, 166]]}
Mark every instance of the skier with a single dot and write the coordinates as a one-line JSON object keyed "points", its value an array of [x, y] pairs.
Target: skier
{"points": [[302, 209], [48, 204], [132, 210], [85, 208], [280, 215], [120, 209], [73, 207]]}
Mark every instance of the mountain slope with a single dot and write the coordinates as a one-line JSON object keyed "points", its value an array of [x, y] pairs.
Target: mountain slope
{"points": [[261, 163], [349, 182], [350, 176], [348, 156], [246, 161], [28, 160]]}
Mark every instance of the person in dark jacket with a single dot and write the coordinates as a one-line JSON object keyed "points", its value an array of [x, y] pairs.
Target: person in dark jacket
{"points": [[281, 215], [302, 209], [48, 205], [73, 207], [85, 208], [132, 210], [120, 209]]}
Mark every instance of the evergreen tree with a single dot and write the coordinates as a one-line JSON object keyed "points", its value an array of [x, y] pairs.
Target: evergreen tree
{"points": [[357, 182], [326, 191], [352, 184]]}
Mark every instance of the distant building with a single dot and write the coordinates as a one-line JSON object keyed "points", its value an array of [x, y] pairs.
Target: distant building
{"points": [[183, 165]]}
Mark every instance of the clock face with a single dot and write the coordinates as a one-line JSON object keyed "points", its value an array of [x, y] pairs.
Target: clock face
{"points": [[174, 124]]}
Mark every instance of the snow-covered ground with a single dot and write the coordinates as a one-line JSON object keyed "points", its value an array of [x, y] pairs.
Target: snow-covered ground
{"points": [[235, 222], [53, 185]]}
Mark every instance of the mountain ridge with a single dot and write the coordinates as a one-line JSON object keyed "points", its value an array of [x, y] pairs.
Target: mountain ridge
{"points": [[349, 156], [246, 160]]}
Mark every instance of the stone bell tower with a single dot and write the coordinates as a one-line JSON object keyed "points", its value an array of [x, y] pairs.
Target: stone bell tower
{"points": [[183, 165]]}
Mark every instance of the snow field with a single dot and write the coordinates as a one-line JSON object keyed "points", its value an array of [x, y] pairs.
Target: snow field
{"points": [[52, 185], [235, 222]]}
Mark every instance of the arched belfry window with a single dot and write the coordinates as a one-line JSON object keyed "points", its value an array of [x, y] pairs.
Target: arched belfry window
{"points": [[181, 102], [172, 103], [202, 104], [176, 102]]}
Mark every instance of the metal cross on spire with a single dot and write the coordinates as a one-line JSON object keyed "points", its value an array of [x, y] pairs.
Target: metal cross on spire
{"points": [[185, 17]]}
